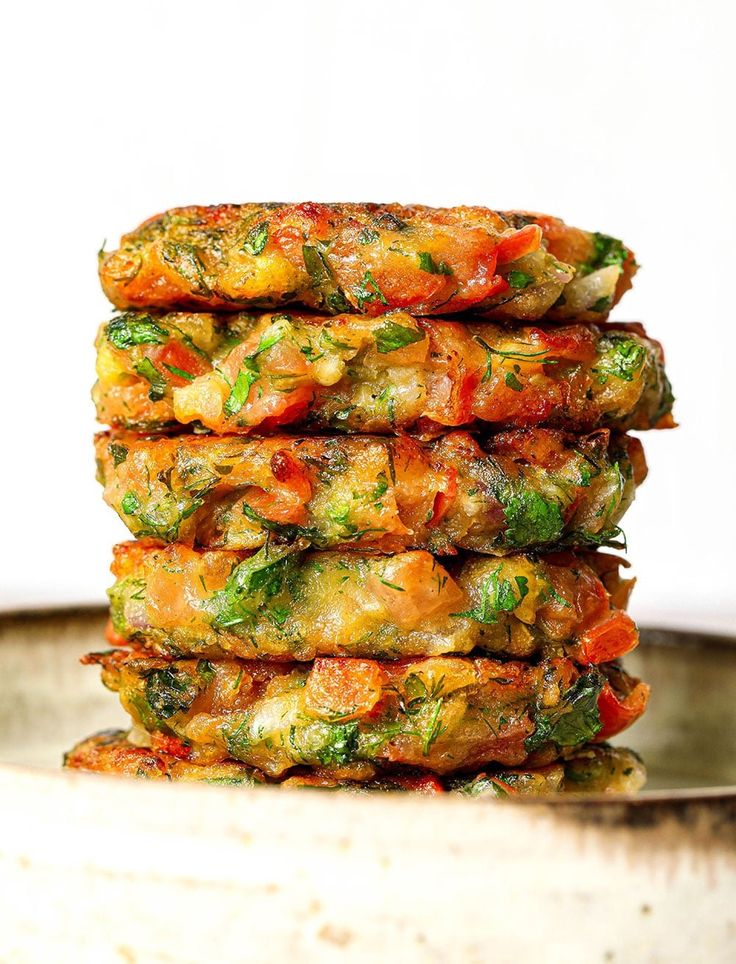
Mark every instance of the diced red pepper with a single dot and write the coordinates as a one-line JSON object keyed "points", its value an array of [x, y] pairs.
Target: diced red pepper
{"points": [[175, 355], [522, 242], [344, 689], [617, 713], [609, 639]]}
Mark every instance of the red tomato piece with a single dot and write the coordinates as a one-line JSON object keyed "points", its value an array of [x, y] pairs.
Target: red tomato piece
{"points": [[523, 241], [608, 640], [343, 688], [618, 713]]}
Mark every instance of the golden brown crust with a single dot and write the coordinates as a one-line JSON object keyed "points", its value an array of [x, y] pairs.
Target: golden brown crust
{"points": [[444, 713], [289, 603], [353, 373], [367, 258], [531, 488], [597, 769]]}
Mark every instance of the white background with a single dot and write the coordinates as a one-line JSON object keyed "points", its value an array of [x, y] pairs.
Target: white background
{"points": [[616, 116]]}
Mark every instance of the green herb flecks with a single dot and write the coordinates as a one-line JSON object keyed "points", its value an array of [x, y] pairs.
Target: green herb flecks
{"points": [[434, 729], [602, 304], [428, 264], [119, 453], [530, 518], [130, 503], [340, 746], [391, 585], [514, 355], [368, 291], [170, 691], [323, 279], [497, 596], [606, 251], [256, 239], [551, 593], [381, 487], [179, 372], [575, 721], [519, 279], [621, 357], [240, 391], [479, 786], [249, 370], [251, 586], [131, 329], [512, 381], [146, 369], [186, 260], [286, 530], [390, 336]]}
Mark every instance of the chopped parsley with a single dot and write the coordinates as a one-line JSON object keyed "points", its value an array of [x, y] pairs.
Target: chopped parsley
{"points": [[256, 239], [251, 586], [530, 518], [512, 381], [368, 291], [250, 371], [240, 391], [131, 329], [517, 355], [606, 251], [170, 691], [428, 264], [519, 279], [179, 372], [602, 304], [119, 453], [320, 273], [381, 486], [497, 595], [390, 336], [186, 260], [434, 729], [622, 358], [286, 530], [146, 369], [575, 720]]}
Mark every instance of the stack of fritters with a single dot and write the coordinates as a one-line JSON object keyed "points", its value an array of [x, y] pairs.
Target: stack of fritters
{"points": [[370, 454]]}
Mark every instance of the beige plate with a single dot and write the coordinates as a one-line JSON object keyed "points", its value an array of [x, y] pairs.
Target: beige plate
{"points": [[98, 869]]}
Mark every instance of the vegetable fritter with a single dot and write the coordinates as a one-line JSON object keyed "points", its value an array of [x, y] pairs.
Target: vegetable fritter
{"points": [[368, 258], [237, 373], [523, 489], [443, 713], [594, 769], [288, 603]]}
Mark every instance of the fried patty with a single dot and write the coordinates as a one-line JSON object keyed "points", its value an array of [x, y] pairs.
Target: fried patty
{"points": [[522, 489], [594, 769], [368, 259], [443, 713], [285, 602], [237, 373]]}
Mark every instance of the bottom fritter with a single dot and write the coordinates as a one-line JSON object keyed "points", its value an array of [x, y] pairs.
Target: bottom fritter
{"points": [[592, 769], [443, 713]]}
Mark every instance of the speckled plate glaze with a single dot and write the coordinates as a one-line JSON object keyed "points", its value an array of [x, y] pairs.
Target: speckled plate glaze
{"points": [[100, 869]]}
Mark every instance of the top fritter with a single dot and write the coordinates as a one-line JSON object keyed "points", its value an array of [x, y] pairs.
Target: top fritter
{"points": [[368, 258]]}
